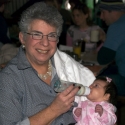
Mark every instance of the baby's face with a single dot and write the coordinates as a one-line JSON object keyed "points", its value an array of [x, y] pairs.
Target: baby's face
{"points": [[97, 93]]}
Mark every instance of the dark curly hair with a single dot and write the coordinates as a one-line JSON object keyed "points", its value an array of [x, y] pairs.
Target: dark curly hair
{"points": [[110, 88]]}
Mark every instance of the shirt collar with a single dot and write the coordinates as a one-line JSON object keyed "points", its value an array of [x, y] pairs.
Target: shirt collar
{"points": [[22, 60]]}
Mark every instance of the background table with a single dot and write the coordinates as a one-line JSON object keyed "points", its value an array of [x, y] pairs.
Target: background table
{"points": [[90, 61], [96, 69]]}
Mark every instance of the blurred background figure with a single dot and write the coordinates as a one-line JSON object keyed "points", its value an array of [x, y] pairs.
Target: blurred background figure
{"points": [[65, 13], [66, 18], [83, 28], [7, 52], [7, 47], [96, 17], [4, 32], [113, 50]]}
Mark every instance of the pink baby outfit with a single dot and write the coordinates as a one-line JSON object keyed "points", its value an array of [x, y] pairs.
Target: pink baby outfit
{"points": [[90, 117]]}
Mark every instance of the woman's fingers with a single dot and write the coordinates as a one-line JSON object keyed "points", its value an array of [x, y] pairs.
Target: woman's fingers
{"points": [[64, 100]]}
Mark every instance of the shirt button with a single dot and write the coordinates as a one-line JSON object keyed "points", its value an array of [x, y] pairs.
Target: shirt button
{"points": [[61, 124], [50, 91]]}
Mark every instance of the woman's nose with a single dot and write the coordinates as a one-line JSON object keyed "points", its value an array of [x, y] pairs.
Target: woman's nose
{"points": [[44, 41]]}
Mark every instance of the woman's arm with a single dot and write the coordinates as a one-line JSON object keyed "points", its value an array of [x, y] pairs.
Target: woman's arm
{"points": [[60, 105]]}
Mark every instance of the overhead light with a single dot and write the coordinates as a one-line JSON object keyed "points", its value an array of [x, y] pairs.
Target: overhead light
{"points": [[67, 5]]}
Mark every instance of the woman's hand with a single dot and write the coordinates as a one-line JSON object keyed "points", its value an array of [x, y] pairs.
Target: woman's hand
{"points": [[64, 100]]}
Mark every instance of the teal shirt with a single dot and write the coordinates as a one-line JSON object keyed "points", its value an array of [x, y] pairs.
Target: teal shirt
{"points": [[115, 40]]}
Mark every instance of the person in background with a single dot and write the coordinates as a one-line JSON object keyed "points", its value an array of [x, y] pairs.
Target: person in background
{"points": [[113, 49], [67, 21], [100, 108], [74, 3], [65, 13], [4, 32], [27, 93], [82, 28]]}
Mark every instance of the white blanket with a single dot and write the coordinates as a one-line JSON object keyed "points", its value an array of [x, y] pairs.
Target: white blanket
{"points": [[70, 70]]}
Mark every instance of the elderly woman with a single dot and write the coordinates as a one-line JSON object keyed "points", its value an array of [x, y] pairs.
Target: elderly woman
{"points": [[27, 83]]}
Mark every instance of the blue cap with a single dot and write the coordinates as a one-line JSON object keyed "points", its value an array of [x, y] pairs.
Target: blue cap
{"points": [[117, 5]]}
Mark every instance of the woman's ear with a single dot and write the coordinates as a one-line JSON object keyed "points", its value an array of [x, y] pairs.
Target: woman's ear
{"points": [[106, 97], [21, 38]]}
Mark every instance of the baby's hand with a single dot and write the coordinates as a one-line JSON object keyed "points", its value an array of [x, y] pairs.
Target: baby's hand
{"points": [[99, 109], [78, 111]]}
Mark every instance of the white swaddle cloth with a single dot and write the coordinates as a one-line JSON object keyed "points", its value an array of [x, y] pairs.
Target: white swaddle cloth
{"points": [[70, 70]]}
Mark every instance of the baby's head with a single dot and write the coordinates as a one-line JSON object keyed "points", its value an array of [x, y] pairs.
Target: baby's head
{"points": [[103, 89]]}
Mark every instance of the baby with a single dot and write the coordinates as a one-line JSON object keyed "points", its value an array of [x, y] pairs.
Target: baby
{"points": [[99, 109]]}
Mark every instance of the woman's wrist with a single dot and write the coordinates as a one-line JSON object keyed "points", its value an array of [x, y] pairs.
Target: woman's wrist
{"points": [[44, 117]]}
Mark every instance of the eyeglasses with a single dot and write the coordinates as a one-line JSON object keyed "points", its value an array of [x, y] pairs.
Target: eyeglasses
{"points": [[39, 36]]}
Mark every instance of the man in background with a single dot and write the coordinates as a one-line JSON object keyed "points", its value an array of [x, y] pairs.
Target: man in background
{"points": [[113, 49]]}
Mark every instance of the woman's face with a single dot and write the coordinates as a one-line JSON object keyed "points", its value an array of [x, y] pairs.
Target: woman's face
{"points": [[79, 17], [97, 93], [39, 51]]}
